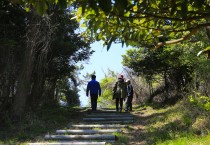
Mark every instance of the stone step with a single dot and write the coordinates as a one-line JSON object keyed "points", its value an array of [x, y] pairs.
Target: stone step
{"points": [[87, 131], [97, 129], [80, 137], [106, 108], [109, 122], [109, 119], [108, 115], [69, 143], [110, 111], [97, 126]]}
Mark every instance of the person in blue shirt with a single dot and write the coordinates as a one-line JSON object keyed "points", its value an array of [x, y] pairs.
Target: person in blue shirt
{"points": [[94, 89]]}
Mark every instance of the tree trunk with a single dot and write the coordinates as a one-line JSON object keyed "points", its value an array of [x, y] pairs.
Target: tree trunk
{"points": [[150, 92], [36, 93], [23, 84], [24, 78], [39, 36]]}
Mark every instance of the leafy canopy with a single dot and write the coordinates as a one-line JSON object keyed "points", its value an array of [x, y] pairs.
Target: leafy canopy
{"points": [[135, 22], [148, 23]]}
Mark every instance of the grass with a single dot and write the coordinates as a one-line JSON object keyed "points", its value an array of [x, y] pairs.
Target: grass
{"points": [[187, 140], [121, 139], [181, 124], [33, 126]]}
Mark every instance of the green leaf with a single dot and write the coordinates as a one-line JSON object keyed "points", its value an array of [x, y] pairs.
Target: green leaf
{"points": [[110, 43], [127, 14], [93, 5], [27, 9], [83, 25], [123, 42]]}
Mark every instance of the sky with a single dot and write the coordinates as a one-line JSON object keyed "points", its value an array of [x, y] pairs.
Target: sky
{"points": [[100, 62]]}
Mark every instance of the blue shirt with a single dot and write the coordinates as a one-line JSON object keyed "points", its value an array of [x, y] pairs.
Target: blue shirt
{"points": [[94, 88]]}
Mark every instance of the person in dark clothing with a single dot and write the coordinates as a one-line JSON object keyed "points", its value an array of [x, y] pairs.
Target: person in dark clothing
{"points": [[94, 89], [129, 96], [119, 92]]}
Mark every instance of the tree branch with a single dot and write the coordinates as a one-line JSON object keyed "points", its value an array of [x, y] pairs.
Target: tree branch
{"points": [[177, 40]]}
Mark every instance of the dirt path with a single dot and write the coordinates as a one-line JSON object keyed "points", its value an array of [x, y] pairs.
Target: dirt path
{"points": [[138, 133]]}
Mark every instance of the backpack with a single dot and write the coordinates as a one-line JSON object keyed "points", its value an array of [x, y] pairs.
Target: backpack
{"points": [[119, 90]]}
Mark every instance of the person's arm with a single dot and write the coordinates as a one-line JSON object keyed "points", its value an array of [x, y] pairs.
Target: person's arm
{"points": [[126, 91], [129, 90], [114, 88], [99, 89], [114, 91]]}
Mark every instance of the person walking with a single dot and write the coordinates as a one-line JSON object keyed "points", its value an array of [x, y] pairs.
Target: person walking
{"points": [[129, 96], [94, 89], [119, 92]]}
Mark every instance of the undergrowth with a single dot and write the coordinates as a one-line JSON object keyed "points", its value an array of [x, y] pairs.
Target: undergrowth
{"points": [[182, 124], [34, 125]]}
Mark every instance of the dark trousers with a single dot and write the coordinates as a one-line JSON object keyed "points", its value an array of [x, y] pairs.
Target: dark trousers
{"points": [[94, 98], [129, 103], [117, 103]]}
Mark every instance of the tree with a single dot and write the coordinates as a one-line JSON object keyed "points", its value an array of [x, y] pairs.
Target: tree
{"points": [[12, 32], [67, 91], [67, 49], [172, 68], [37, 51], [150, 24], [107, 85], [137, 22]]}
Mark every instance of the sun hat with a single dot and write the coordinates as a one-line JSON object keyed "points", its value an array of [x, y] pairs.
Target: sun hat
{"points": [[120, 76]]}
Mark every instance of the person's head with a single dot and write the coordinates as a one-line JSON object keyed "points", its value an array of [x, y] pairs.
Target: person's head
{"points": [[120, 77], [93, 77]]}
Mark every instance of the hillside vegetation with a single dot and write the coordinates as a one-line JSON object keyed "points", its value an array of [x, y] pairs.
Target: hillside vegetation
{"points": [[182, 124]]}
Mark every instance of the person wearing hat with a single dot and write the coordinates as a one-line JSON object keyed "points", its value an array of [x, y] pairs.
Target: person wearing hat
{"points": [[129, 96], [93, 87], [119, 92]]}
